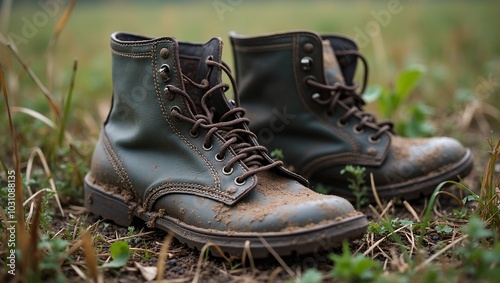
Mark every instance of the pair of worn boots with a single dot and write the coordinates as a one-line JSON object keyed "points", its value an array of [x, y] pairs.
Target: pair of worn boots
{"points": [[177, 154]]}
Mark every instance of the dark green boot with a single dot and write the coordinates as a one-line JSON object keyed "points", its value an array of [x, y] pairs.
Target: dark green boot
{"points": [[175, 153], [300, 97]]}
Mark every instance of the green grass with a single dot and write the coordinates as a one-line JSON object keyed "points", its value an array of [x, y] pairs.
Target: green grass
{"points": [[455, 40]]}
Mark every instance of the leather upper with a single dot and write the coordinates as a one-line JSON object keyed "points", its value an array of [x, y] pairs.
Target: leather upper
{"points": [[150, 155]]}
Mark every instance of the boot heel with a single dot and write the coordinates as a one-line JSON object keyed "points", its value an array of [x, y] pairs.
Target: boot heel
{"points": [[108, 206]]}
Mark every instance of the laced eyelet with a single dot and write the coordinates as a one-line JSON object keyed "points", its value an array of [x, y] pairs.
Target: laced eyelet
{"points": [[207, 148], [238, 183], [164, 72], [175, 109], [341, 123], [306, 63], [193, 134], [373, 140], [170, 95], [307, 79], [227, 172], [219, 158], [356, 130], [315, 96]]}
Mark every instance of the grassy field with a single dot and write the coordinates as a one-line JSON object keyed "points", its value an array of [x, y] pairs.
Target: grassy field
{"points": [[455, 41]]}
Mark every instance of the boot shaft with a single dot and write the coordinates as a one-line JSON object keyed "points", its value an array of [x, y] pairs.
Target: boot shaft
{"points": [[300, 96], [152, 116], [273, 74]]}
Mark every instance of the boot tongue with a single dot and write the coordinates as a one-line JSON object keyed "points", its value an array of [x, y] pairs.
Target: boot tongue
{"points": [[217, 101], [193, 64], [211, 50], [333, 74]]}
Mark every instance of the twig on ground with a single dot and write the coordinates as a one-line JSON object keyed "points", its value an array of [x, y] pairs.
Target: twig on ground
{"points": [[375, 194], [163, 256], [384, 211], [200, 259], [436, 255], [277, 257], [411, 210], [383, 239], [248, 253]]}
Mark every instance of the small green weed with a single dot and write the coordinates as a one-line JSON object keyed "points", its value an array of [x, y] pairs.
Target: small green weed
{"points": [[461, 213], [277, 154], [54, 252], [310, 276], [357, 183], [411, 118], [387, 225], [443, 229], [120, 252], [357, 268], [481, 256]]}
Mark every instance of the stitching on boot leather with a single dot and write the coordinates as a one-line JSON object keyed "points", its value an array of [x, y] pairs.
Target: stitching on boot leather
{"points": [[131, 54], [200, 190], [295, 52], [212, 169], [262, 47], [118, 166]]}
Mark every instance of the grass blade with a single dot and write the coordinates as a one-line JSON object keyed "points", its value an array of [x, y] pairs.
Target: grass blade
{"points": [[55, 35], [90, 257], [37, 115], [67, 103], [46, 92], [162, 258]]}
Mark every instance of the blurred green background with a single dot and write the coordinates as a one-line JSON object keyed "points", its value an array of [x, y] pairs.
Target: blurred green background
{"points": [[456, 41]]}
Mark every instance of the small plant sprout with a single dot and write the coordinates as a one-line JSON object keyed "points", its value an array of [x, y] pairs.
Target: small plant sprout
{"points": [[356, 183]]}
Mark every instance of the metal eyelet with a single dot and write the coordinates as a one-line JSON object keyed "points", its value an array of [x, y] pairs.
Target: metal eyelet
{"points": [[207, 148], [356, 130], [219, 158], [225, 172], [373, 140], [341, 123], [164, 72], [170, 95], [176, 109], [237, 183], [316, 96], [306, 63], [193, 134]]}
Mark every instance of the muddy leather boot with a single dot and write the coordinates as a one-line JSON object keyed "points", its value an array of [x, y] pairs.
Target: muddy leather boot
{"points": [[176, 154], [300, 97]]}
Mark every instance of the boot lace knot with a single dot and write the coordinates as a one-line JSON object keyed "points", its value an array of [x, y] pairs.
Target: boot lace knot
{"points": [[232, 126], [346, 96]]}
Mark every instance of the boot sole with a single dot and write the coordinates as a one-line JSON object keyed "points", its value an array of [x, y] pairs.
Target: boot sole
{"points": [[414, 188], [309, 240]]}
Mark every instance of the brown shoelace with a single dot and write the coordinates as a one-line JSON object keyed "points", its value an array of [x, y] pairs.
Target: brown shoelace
{"points": [[231, 126], [346, 96]]}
